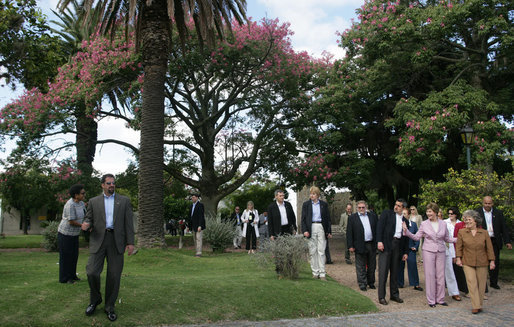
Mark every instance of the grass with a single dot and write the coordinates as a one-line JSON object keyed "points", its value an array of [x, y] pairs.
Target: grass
{"points": [[168, 287]]}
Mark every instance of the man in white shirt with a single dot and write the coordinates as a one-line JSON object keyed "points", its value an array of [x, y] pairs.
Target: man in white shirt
{"points": [[281, 217]]}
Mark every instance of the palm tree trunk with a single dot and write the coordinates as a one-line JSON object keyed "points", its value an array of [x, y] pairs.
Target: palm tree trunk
{"points": [[155, 40], [87, 135]]}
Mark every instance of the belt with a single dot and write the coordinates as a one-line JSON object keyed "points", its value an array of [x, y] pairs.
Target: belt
{"points": [[316, 222], [397, 238], [368, 242], [110, 230]]}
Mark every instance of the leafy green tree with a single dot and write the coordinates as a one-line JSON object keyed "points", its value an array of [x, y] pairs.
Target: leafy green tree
{"points": [[415, 73], [231, 108], [29, 53]]}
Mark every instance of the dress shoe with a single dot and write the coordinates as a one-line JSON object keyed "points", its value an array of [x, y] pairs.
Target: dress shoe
{"points": [[444, 304], [400, 286], [348, 261], [329, 262], [71, 281], [456, 298], [372, 287], [382, 301], [76, 278], [396, 299], [495, 286], [111, 315], [363, 288], [91, 308], [432, 305], [418, 288], [475, 311]]}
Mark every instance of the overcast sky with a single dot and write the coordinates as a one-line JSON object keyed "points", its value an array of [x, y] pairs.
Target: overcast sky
{"points": [[314, 22]]}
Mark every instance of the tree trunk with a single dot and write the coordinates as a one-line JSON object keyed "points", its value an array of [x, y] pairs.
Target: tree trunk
{"points": [[87, 135], [211, 206], [155, 40]]}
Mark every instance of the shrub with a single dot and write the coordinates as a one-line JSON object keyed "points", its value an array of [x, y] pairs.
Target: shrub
{"points": [[50, 236], [219, 234], [287, 252]]}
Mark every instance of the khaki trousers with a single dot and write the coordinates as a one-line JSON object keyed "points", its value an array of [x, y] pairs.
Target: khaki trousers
{"points": [[476, 278], [317, 245], [197, 237]]}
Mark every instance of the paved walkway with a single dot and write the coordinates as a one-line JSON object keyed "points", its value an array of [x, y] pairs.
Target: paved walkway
{"points": [[500, 315]]}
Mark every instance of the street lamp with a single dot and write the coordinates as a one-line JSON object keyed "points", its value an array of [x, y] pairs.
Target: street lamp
{"points": [[467, 139]]}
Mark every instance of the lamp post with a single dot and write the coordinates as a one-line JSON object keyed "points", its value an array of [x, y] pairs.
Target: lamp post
{"points": [[466, 135]]}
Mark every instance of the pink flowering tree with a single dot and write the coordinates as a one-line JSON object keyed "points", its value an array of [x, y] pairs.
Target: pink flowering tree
{"points": [[73, 105], [231, 109], [415, 73]]}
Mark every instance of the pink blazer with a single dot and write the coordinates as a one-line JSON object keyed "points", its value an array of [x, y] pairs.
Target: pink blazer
{"points": [[433, 242]]}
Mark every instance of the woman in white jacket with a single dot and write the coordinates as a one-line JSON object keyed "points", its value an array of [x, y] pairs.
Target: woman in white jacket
{"points": [[250, 219]]}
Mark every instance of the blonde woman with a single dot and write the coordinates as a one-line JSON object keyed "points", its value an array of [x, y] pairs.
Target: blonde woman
{"points": [[250, 219]]}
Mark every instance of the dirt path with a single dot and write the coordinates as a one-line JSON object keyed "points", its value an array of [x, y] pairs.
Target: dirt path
{"points": [[413, 300]]}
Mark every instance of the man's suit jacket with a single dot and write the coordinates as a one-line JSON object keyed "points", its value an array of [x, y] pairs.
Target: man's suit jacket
{"points": [[122, 221], [433, 242], [355, 232], [198, 216], [307, 217], [274, 220], [235, 220], [385, 231], [501, 233]]}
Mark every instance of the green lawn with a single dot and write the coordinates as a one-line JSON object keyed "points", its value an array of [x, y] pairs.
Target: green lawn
{"points": [[507, 265], [168, 287]]}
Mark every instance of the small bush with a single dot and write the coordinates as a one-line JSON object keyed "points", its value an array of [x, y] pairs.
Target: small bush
{"points": [[287, 252], [219, 234], [50, 237]]}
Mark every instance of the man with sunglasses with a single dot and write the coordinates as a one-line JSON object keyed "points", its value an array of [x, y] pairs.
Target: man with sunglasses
{"points": [[109, 218]]}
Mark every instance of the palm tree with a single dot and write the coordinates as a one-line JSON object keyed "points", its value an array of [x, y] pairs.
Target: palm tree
{"points": [[154, 20]]}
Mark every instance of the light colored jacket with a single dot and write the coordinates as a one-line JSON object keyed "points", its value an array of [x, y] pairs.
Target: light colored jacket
{"points": [[244, 219], [433, 242]]}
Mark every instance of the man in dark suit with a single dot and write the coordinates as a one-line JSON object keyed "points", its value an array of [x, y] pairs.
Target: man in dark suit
{"points": [[197, 222], [392, 247], [316, 226], [109, 219], [281, 217], [494, 222], [361, 238]]}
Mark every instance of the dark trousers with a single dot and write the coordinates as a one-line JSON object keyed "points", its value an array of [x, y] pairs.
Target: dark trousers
{"points": [[412, 270], [95, 266], [461, 278], [388, 263], [365, 265], [493, 274], [327, 252], [285, 229], [346, 251], [250, 237], [68, 256]]}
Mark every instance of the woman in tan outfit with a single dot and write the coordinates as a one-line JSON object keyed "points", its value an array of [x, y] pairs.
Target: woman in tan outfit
{"points": [[474, 252]]}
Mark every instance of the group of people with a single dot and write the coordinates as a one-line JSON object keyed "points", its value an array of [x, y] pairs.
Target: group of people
{"points": [[455, 253]]}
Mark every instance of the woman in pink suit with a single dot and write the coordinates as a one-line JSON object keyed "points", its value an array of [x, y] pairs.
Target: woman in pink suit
{"points": [[435, 235]]}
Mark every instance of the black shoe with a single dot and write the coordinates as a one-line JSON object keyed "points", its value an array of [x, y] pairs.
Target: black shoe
{"points": [[495, 286], [111, 315], [76, 278], [348, 261], [444, 304], [71, 281], [418, 288], [92, 307], [432, 305], [396, 299], [400, 286], [372, 287], [329, 262], [382, 301], [363, 288]]}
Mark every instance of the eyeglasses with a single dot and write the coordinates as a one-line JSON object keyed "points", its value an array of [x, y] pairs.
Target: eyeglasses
{"points": [[361, 207], [451, 213], [110, 183]]}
